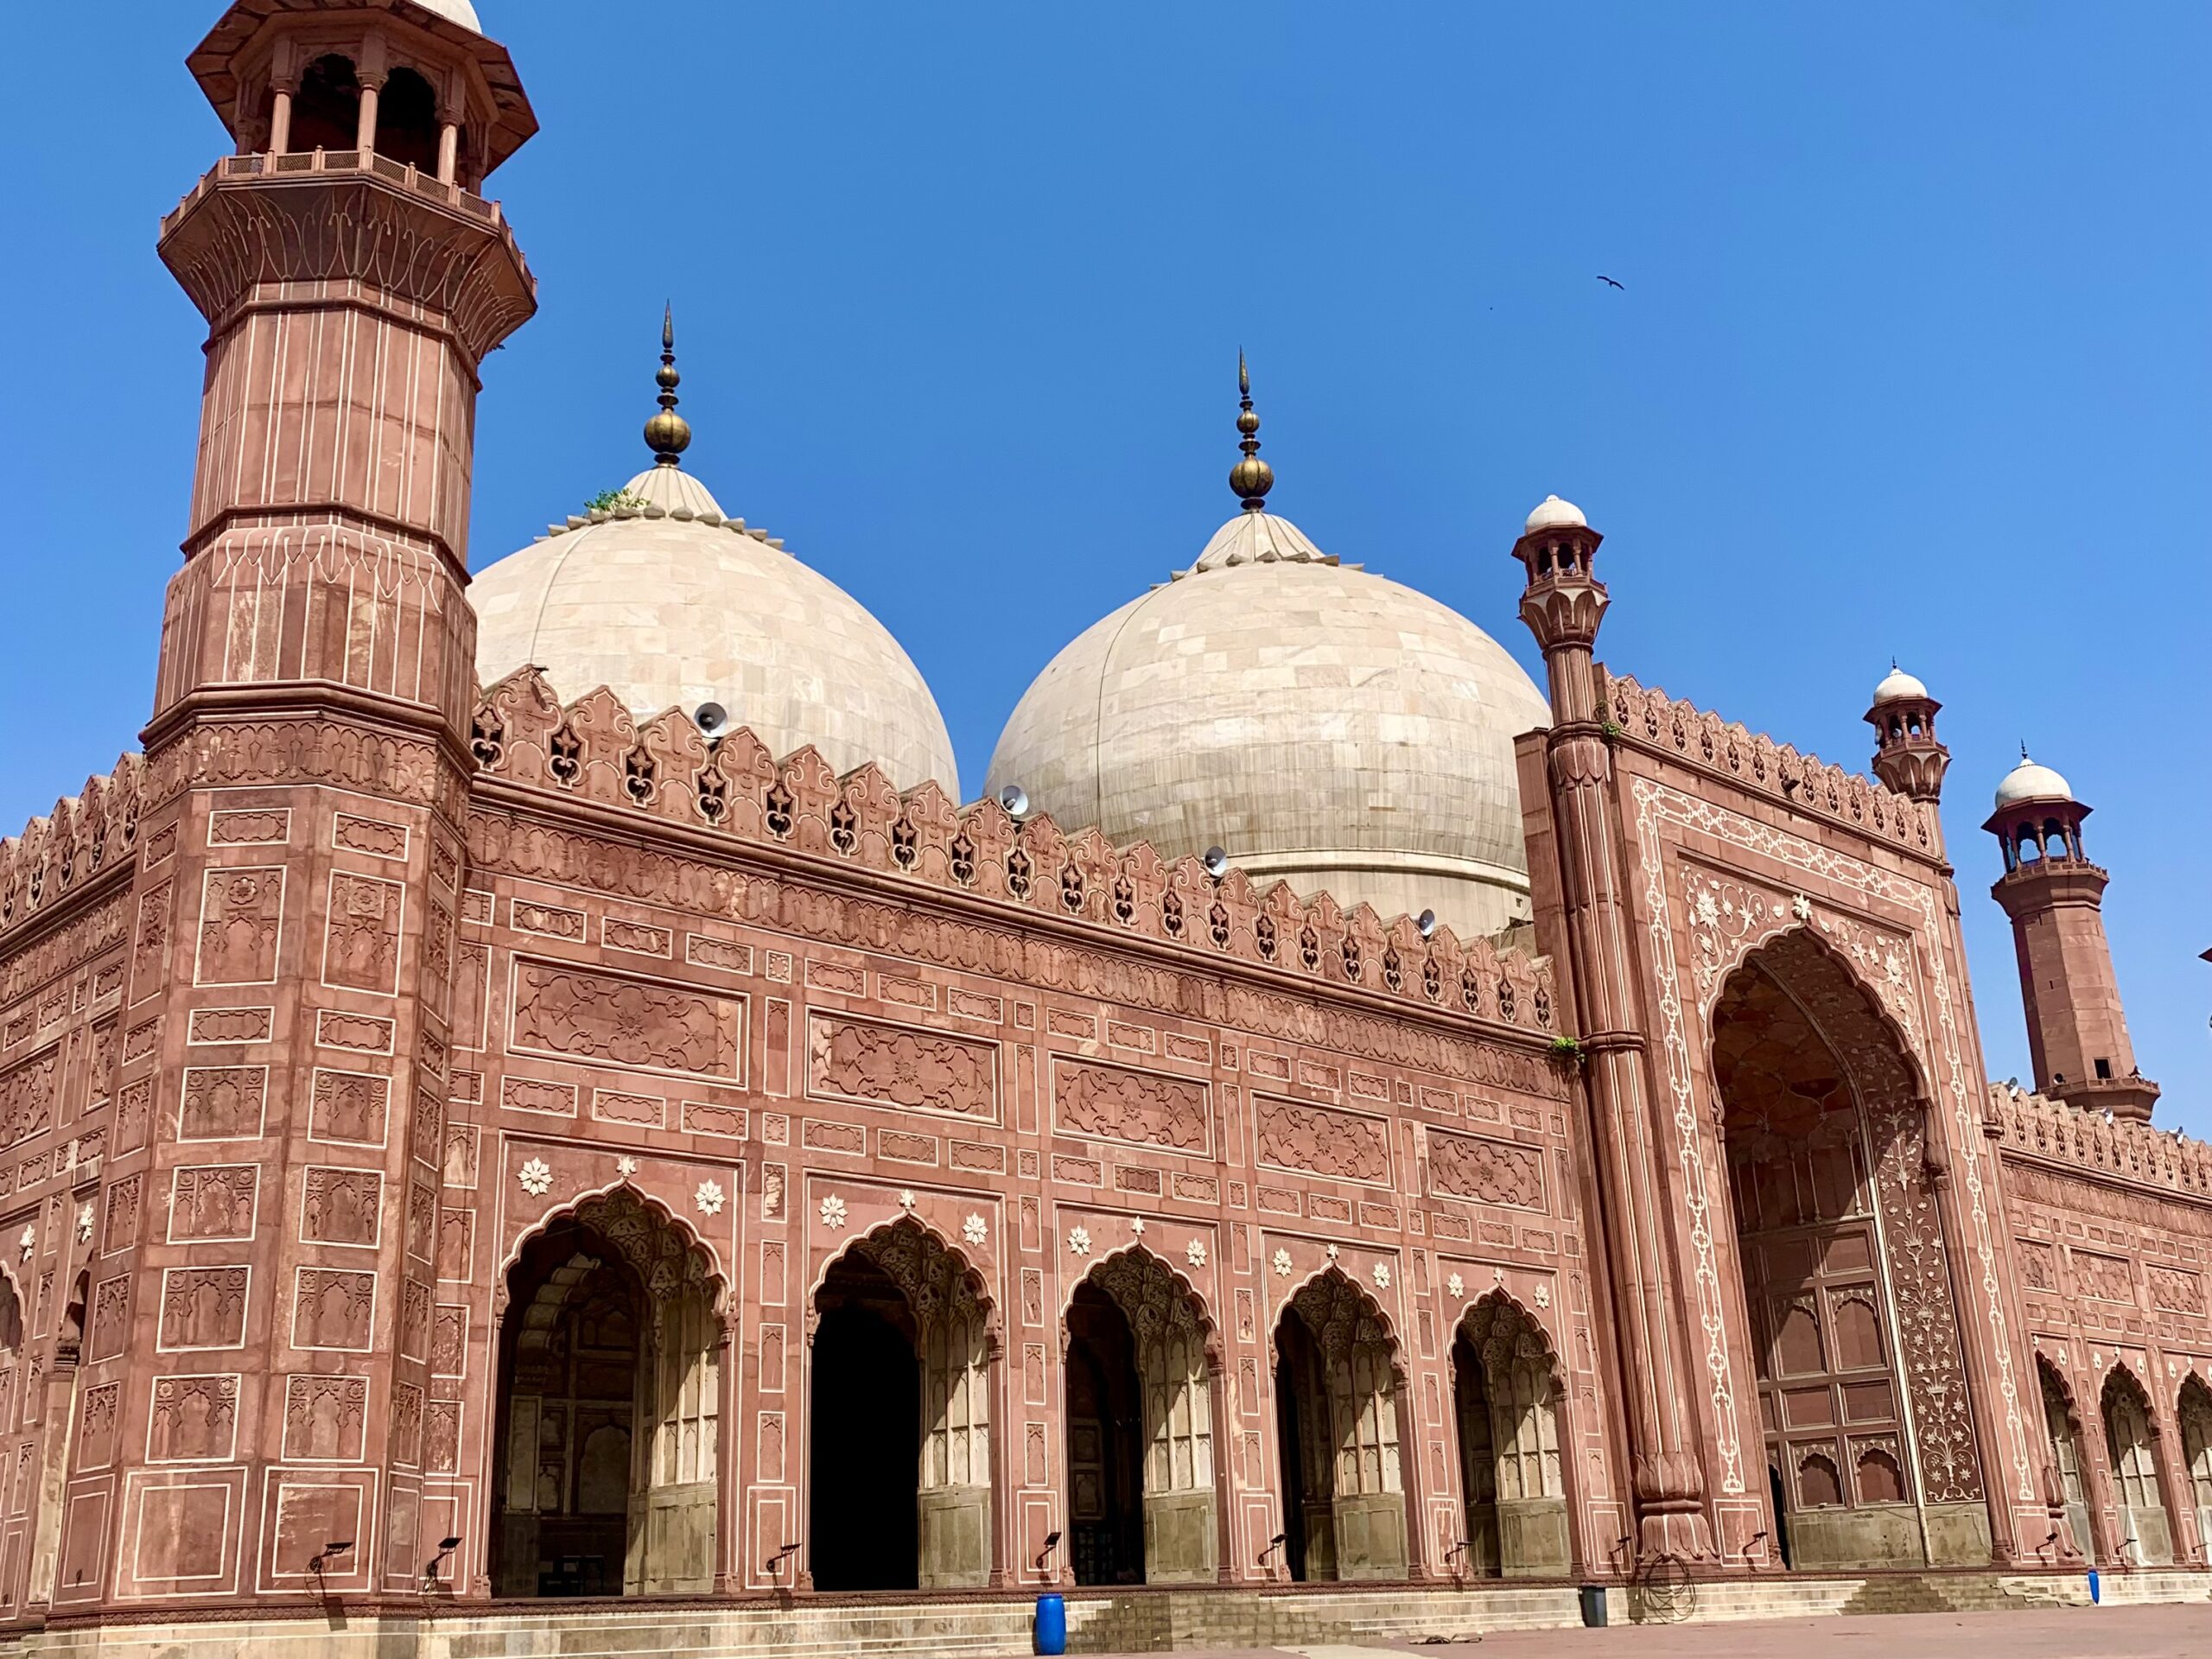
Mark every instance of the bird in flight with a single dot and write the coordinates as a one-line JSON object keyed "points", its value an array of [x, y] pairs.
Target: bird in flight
{"points": [[1609, 283]]}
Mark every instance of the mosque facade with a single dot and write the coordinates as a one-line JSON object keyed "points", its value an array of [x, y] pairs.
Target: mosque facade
{"points": [[539, 1086]]}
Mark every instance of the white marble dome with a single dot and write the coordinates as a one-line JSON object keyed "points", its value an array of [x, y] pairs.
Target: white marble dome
{"points": [[1552, 514], [668, 603], [2029, 782], [1319, 723], [459, 11], [1896, 684]]}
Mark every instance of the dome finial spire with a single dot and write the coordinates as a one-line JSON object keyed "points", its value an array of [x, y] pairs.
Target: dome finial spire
{"points": [[1251, 477], [668, 435]]}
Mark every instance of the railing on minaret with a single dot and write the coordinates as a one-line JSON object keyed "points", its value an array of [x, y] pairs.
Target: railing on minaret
{"points": [[1563, 603], [276, 1219], [2077, 1029]]}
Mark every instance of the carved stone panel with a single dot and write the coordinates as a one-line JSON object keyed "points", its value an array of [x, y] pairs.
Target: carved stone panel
{"points": [[342, 1206], [215, 1202], [195, 1418], [897, 1066], [361, 943], [27, 1094], [323, 1418], [1143, 1107], [611, 1020], [240, 914], [333, 1307], [1488, 1172], [349, 1107], [222, 1102], [203, 1307], [1320, 1140]]}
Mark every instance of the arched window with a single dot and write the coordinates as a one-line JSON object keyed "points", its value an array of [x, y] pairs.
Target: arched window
{"points": [[327, 110], [2194, 1409], [407, 121], [2135, 1471]]}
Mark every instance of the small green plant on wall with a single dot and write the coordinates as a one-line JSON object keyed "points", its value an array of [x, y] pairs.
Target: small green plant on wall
{"points": [[616, 501]]}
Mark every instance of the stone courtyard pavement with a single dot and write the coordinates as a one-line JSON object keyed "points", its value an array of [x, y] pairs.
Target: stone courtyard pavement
{"points": [[2175, 1631]]}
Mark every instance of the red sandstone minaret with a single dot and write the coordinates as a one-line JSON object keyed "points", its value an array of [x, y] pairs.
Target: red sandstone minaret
{"points": [[263, 1299], [1563, 602], [2077, 1031], [1908, 756]]}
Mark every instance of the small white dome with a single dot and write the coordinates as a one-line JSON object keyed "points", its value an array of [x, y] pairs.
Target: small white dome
{"points": [[2031, 782], [1320, 723], [1896, 684], [457, 11], [1552, 513], [668, 603]]}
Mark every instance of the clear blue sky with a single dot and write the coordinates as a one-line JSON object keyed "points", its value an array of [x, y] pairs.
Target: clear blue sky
{"points": [[1912, 357]]}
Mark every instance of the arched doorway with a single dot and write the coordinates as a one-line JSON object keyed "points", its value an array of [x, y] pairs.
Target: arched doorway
{"points": [[1140, 1464], [1846, 1274], [2065, 1436], [1505, 1387], [2194, 1408], [609, 1409], [2147, 1538], [899, 1469], [1337, 1417]]}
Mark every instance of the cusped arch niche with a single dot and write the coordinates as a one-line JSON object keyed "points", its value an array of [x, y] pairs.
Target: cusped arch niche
{"points": [[1836, 1165], [615, 1286], [935, 1302], [1337, 1393], [1507, 1386], [1176, 1361]]}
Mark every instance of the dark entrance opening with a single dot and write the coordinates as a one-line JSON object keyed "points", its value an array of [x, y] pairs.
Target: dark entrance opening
{"points": [[569, 1361], [1105, 1443], [327, 110], [1477, 1459], [1781, 1513], [1297, 1401], [866, 1444]]}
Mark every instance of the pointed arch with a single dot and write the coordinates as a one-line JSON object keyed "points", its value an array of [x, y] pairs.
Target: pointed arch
{"points": [[1177, 1361], [1339, 1378], [948, 1325], [609, 1400], [1507, 1386], [2131, 1444], [2069, 1486], [1834, 1160], [2193, 1412], [1386, 1327]]}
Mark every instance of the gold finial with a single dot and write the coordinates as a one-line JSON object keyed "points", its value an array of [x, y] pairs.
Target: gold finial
{"points": [[667, 434], [1251, 477]]}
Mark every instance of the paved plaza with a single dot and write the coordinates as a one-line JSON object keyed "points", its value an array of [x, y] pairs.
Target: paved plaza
{"points": [[2173, 1632]]}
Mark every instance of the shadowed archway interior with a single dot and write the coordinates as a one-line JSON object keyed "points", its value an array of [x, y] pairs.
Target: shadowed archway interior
{"points": [[1845, 1281], [1337, 1417], [608, 1409]]}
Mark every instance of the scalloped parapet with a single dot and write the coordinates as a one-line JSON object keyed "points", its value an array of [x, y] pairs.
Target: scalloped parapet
{"points": [[56, 856], [594, 750], [1649, 717], [2117, 1149]]}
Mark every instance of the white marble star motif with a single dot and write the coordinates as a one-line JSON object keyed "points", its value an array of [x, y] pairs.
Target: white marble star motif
{"points": [[1802, 908], [832, 1211], [906, 1199], [1456, 1286], [708, 1198], [536, 1176], [1079, 1240], [1136, 1225], [1382, 1275], [1195, 1252], [1282, 1264], [625, 1165], [975, 1230]]}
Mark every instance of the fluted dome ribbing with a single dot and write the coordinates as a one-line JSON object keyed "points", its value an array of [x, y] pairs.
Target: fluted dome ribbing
{"points": [[1317, 723], [668, 603]]}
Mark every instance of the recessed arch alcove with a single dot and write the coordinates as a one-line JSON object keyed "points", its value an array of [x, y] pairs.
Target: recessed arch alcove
{"points": [[1835, 1186], [1506, 1388], [1337, 1420], [901, 1356], [608, 1407]]}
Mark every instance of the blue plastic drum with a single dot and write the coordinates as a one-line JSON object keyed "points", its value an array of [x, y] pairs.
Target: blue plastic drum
{"points": [[1051, 1625]]}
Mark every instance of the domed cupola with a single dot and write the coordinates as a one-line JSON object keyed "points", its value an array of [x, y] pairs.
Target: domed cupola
{"points": [[1317, 723], [659, 595]]}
